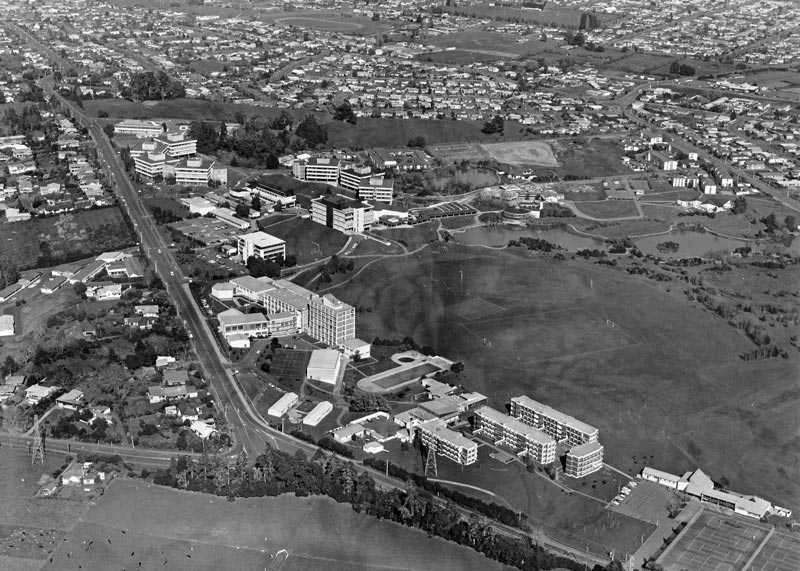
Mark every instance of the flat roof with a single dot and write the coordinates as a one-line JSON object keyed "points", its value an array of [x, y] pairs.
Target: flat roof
{"points": [[257, 285], [324, 359], [236, 317], [262, 239], [439, 428], [556, 415], [340, 202], [585, 449], [516, 425]]}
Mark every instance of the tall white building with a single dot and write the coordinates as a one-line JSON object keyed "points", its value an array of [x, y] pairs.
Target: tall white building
{"points": [[317, 169], [562, 427], [331, 321], [366, 185], [139, 128], [261, 245], [342, 214]]}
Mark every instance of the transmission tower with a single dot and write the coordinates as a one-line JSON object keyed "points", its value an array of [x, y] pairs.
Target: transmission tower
{"points": [[431, 469], [37, 446]]}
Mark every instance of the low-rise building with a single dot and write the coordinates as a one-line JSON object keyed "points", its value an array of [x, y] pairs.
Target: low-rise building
{"points": [[283, 404], [6, 325], [318, 413], [72, 400], [139, 128], [272, 194], [35, 394], [325, 366]]}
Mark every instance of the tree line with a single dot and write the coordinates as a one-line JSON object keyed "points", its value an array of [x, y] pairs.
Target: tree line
{"points": [[274, 473]]}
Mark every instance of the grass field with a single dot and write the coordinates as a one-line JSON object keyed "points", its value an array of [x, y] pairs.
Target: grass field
{"points": [[75, 235], [168, 529], [307, 240], [587, 159], [536, 153], [608, 208], [664, 375], [412, 238]]}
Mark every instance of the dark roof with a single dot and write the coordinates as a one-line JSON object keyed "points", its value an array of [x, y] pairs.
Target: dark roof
{"points": [[340, 202]]}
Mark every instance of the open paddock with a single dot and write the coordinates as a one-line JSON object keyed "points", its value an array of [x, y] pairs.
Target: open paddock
{"points": [[522, 153], [603, 209], [136, 522], [326, 23]]}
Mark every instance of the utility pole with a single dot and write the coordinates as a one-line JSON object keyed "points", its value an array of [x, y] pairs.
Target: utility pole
{"points": [[38, 453]]}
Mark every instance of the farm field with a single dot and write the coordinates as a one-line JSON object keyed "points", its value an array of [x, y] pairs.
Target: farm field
{"points": [[195, 531], [67, 237], [608, 208], [664, 375]]}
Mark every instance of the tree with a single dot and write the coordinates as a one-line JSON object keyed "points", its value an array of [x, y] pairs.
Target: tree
{"points": [[495, 125], [418, 141], [255, 203], [80, 289], [790, 222], [344, 112], [313, 133], [739, 205], [258, 267], [108, 129], [242, 211]]}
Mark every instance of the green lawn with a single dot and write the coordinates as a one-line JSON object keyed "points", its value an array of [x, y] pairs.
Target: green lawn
{"points": [[412, 238], [608, 208], [308, 240], [664, 376]]}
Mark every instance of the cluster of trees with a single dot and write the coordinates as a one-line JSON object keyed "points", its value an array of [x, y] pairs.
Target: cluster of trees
{"points": [[404, 344], [772, 225], [768, 352], [417, 142], [552, 210], [344, 112], [335, 265], [678, 68], [367, 403], [591, 253], [537, 244], [29, 120], [494, 125], [259, 267], [668, 246], [146, 85], [164, 215], [275, 473]]}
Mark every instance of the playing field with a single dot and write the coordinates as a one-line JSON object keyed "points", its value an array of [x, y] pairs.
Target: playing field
{"points": [[522, 153], [404, 375], [664, 376], [320, 23], [168, 529], [717, 542]]}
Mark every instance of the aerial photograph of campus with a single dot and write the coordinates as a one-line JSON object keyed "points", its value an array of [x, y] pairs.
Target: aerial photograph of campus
{"points": [[400, 285]]}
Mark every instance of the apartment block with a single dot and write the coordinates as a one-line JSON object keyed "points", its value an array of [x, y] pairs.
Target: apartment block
{"points": [[139, 128], [584, 459], [448, 443], [509, 432], [274, 195], [342, 214], [260, 245], [563, 428]]}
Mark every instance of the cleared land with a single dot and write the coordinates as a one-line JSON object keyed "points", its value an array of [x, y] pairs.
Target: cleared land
{"points": [[537, 153], [168, 529], [608, 208], [66, 237], [664, 376]]}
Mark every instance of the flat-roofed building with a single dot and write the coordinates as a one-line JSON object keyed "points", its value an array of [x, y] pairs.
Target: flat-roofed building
{"points": [[341, 213], [448, 443], [72, 400], [563, 427], [584, 459], [283, 404], [318, 413], [234, 322], [507, 431], [260, 245], [229, 217], [6, 325], [177, 144], [331, 321], [139, 128], [195, 170], [367, 185], [325, 366], [317, 169], [273, 194]]}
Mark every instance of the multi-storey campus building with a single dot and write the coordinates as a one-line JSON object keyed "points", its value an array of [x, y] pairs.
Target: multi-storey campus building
{"points": [[261, 245], [584, 455], [509, 432], [342, 214], [361, 181], [323, 317], [448, 443]]}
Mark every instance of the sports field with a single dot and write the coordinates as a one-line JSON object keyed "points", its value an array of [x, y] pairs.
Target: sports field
{"points": [[327, 23], [535, 153], [517, 153], [718, 542], [664, 376], [167, 529]]}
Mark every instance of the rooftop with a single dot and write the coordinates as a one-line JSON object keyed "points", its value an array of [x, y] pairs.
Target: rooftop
{"points": [[517, 426], [556, 415], [324, 359], [261, 239]]}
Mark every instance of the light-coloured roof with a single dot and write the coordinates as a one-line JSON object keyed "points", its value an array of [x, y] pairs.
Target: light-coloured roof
{"points": [[515, 425], [72, 396], [653, 473], [235, 317], [258, 285], [585, 449], [556, 415], [324, 359], [261, 239], [439, 428]]}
